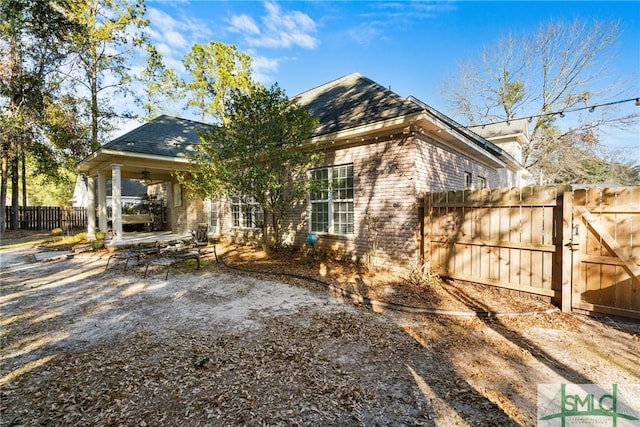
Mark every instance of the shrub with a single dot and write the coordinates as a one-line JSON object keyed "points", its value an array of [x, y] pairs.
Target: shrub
{"points": [[97, 244]]}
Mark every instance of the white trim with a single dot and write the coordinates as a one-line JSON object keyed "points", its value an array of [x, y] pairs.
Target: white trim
{"points": [[330, 201]]}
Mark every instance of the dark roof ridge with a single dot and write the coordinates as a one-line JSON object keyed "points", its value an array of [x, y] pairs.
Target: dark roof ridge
{"points": [[327, 83], [352, 100], [181, 118]]}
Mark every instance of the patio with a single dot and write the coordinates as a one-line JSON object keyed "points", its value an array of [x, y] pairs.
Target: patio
{"points": [[133, 239]]}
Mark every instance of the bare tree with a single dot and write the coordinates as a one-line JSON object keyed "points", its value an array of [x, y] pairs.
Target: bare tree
{"points": [[561, 67]]}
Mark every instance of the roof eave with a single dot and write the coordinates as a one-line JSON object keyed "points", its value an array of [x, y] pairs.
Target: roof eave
{"points": [[342, 135], [98, 158]]}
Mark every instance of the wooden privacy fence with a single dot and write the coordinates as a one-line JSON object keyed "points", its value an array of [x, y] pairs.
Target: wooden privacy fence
{"points": [[48, 217], [603, 244], [579, 248]]}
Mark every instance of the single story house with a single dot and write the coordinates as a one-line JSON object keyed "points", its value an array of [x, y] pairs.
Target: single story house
{"points": [[381, 154]]}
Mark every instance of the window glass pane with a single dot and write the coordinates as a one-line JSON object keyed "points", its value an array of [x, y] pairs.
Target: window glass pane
{"points": [[246, 215], [320, 217], [213, 216], [258, 216], [343, 217], [320, 178], [482, 183], [467, 180], [343, 182], [235, 213]]}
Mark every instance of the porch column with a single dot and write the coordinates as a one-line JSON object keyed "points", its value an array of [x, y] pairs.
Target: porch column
{"points": [[91, 208], [102, 202], [116, 202]]}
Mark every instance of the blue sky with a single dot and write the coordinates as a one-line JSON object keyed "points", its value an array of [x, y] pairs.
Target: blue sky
{"points": [[410, 46]]}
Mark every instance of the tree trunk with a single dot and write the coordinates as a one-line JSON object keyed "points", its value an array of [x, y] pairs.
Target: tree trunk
{"points": [[24, 178], [3, 192], [15, 196], [93, 82], [275, 226], [94, 109]]}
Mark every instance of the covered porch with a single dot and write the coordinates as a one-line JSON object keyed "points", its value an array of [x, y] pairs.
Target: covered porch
{"points": [[153, 153]]}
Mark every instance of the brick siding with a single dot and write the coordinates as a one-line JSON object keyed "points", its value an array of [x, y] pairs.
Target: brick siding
{"points": [[390, 177]]}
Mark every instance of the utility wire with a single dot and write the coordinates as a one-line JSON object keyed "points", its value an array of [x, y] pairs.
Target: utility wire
{"points": [[591, 109]]}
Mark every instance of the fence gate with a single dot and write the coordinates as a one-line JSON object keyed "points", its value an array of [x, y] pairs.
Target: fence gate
{"points": [[510, 238], [604, 248]]}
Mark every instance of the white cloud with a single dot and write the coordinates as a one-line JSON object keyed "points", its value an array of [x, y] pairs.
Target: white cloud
{"points": [[366, 33], [262, 68], [175, 35], [280, 29], [244, 24], [175, 39], [382, 17]]}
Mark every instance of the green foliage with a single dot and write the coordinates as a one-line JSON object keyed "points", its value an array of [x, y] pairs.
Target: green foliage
{"points": [[108, 32], [258, 153], [215, 69], [47, 190], [33, 47], [160, 83]]}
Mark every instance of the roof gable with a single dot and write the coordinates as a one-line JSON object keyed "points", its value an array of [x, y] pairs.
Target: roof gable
{"points": [[516, 130], [350, 101], [163, 136]]}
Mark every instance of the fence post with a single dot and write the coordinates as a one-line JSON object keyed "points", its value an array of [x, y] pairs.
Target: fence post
{"points": [[567, 250]]}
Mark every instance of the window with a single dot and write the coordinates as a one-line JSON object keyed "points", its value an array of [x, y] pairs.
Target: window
{"points": [[246, 213], [331, 200], [468, 180], [213, 216], [481, 183], [177, 195]]}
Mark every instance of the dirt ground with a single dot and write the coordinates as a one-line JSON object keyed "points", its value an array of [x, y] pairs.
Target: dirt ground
{"points": [[82, 345]]}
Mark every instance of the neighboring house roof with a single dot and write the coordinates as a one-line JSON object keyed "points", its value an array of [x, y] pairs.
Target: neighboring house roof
{"points": [[455, 126], [512, 129], [352, 101], [130, 188], [163, 136]]}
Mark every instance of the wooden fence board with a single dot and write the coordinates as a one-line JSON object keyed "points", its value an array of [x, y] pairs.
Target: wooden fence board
{"points": [[609, 243], [497, 236], [48, 217], [579, 246], [566, 253]]}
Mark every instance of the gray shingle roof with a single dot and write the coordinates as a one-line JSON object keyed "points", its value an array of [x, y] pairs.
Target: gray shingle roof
{"points": [[163, 136], [473, 137], [351, 101]]}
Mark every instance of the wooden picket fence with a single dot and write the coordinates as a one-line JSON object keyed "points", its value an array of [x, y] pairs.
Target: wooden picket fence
{"points": [[579, 248], [48, 218]]}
